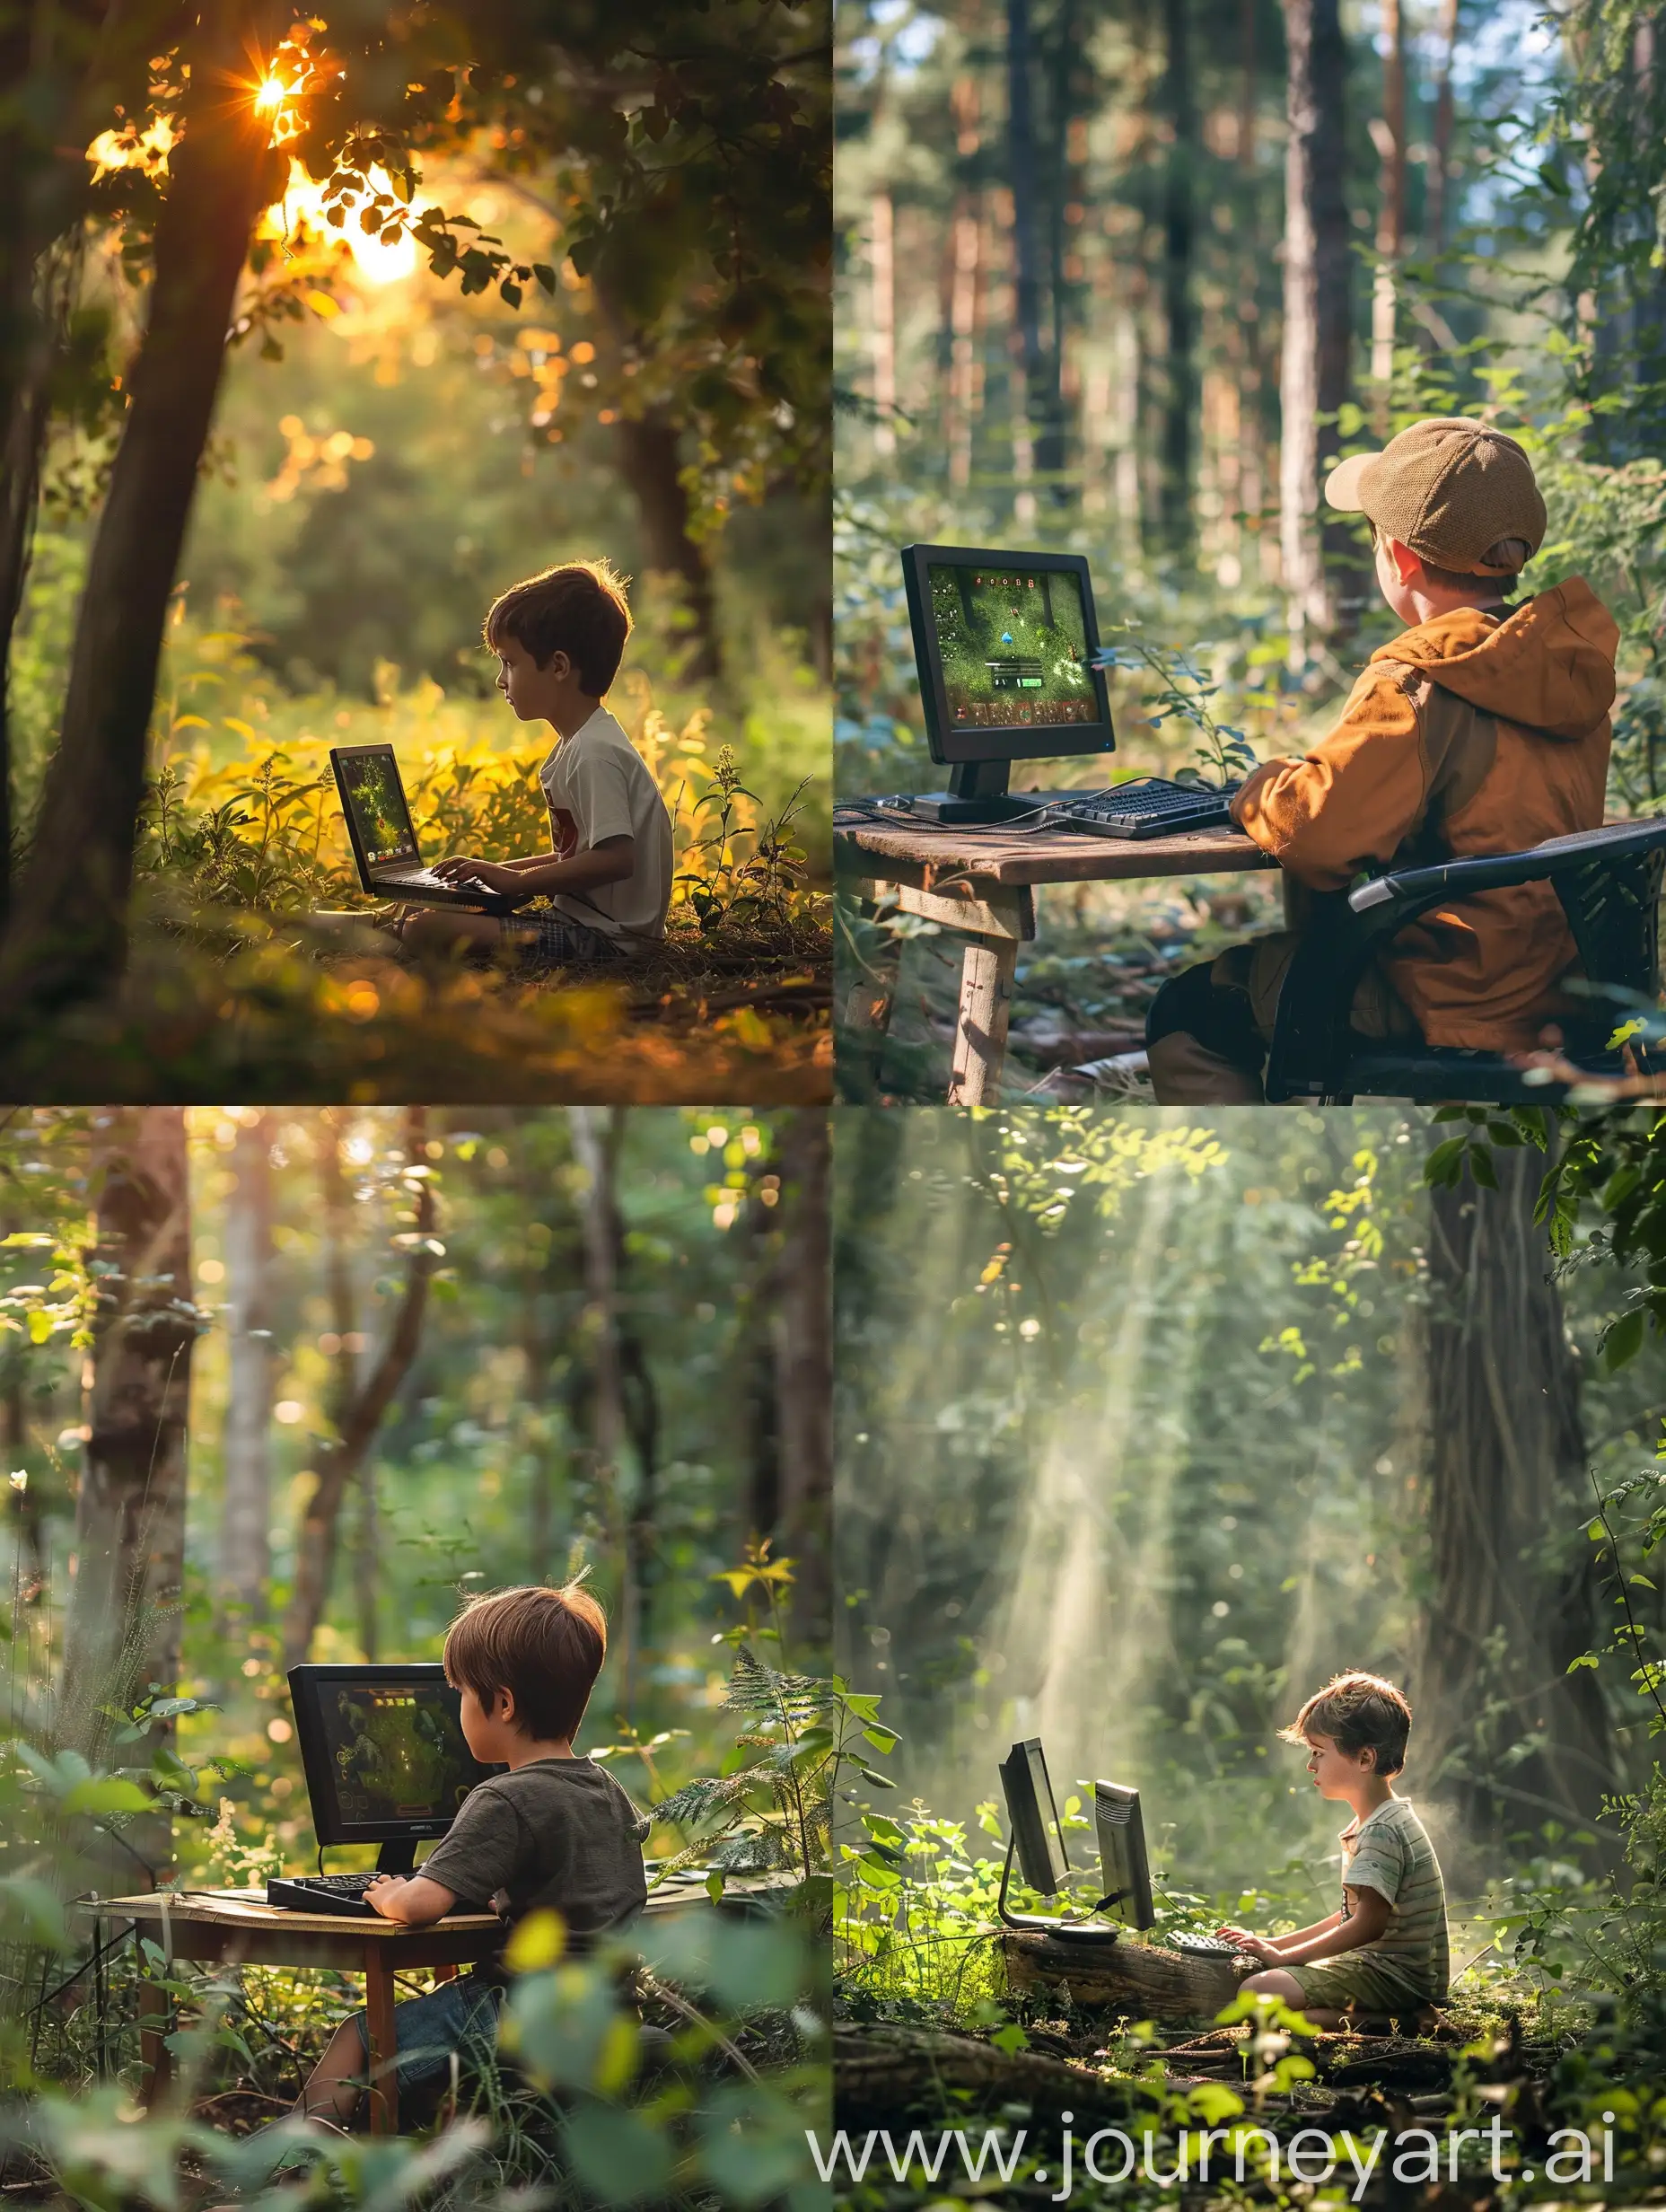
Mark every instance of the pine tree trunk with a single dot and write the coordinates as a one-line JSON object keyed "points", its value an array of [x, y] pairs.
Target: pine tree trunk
{"points": [[1180, 393], [1506, 1472], [125, 1610], [1390, 209], [68, 934], [1436, 215], [1038, 376], [1314, 375], [245, 1541], [361, 1409], [597, 1132], [803, 1365]]}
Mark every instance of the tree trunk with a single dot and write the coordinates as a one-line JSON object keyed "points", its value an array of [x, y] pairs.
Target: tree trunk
{"points": [[1436, 211], [1135, 1979], [125, 1611], [245, 1542], [1506, 1475], [361, 1413], [650, 461], [1313, 377], [803, 1367], [882, 319], [1390, 209], [68, 929], [597, 1132], [1180, 391], [1038, 376]]}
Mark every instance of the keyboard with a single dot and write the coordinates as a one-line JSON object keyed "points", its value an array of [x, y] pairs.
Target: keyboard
{"points": [[1150, 809], [337, 1893], [1201, 1946]]}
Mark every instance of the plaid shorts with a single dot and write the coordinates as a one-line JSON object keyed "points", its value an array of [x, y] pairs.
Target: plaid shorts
{"points": [[556, 940]]}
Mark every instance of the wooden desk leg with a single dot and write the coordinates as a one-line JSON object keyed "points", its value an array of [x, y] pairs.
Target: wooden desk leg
{"points": [[156, 2058], [445, 1973], [980, 1028], [384, 2096]]}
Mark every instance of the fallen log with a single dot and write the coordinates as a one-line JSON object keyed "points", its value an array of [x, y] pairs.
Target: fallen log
{"points": [[881, 2071], [1133, 1981]]}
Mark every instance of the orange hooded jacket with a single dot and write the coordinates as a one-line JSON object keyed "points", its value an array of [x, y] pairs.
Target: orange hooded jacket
{"points": [[1469, 734]]}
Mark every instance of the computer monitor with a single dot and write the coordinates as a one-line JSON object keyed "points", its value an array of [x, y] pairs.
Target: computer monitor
{"points": [[1038, 1842], [1038, 1834], [1124, 1871], [383, 1752], [1005, 645]]}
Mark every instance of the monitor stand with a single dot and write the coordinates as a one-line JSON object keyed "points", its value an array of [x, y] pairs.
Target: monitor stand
{"points": [[397, 1856], [977, 793], [1065, 1931]]}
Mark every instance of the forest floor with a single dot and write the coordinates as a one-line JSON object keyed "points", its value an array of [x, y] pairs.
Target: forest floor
{"points": [[1100, 954], [900, 2074], [270, 1009]]}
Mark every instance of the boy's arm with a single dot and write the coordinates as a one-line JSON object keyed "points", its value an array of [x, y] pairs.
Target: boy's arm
{"points": [[610, 862], [410, 1902], [1272, 1945], [1367, 1918], [1352, 799]]}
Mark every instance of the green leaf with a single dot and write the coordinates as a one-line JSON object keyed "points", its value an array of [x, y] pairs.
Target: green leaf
{"points": [[1623, 1341], [107, 1794], [619, 2154], [1442, 1164]]}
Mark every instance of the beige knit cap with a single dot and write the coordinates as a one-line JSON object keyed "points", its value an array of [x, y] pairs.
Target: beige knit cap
{"points": [[1449, 488]]}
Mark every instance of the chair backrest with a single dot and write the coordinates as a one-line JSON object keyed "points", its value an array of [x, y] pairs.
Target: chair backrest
{"points": [[1613, 905]]}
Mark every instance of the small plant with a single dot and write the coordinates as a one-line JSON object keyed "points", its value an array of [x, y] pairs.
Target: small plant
{"points": [[1222, 752]]}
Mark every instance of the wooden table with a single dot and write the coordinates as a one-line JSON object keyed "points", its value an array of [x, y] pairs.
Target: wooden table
{"points": [[981, 882], [238, 1928]]}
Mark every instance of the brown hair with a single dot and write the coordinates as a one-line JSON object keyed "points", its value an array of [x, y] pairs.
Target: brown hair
{"points": [[544, 1646], [579, 610], [1358, 1713]]}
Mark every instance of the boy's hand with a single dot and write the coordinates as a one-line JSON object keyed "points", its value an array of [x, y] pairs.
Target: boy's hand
{"points": [[1246, 1940], [378, 1894], [461, 870]]}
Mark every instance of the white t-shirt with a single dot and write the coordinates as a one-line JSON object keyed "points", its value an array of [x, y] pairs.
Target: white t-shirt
{"points": [[597, 785]]}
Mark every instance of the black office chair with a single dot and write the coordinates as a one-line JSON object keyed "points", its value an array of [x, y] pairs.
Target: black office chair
{"points": [[1609, 882]]}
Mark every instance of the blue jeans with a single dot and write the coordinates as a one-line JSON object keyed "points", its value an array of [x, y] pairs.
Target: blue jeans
{"points": [[459, 2017]]}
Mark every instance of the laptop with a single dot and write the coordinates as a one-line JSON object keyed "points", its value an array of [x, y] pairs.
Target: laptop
{"points": [[384, 840]]}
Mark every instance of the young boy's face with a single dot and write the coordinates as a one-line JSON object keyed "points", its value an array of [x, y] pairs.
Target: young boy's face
{"points": [[532, 691], [1336, 1772]]}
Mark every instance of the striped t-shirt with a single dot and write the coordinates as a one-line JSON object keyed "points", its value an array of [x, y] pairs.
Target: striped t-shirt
{"points": [[1390, 1852]]}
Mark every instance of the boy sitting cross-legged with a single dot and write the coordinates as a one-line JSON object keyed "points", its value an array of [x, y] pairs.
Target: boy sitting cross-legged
{"points": [[559, 638], [1386, 1952], [555, 1831]]}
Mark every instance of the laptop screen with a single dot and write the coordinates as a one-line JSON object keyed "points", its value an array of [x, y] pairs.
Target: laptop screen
{"points": [[1013, 644], [371, 786]]}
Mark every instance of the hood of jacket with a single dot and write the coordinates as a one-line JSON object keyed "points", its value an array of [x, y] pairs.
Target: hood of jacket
{"points": [[1548, 666]]}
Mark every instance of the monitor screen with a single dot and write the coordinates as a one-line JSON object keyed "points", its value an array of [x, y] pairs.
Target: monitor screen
{"points": [[383, 1750], [1005, 645], [1013, 644], [372, 792], [1038, 1839], [1124, 1871]]}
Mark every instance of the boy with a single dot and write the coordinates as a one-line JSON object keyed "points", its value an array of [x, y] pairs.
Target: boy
{"points": [[555, 1831], [559, 638], [1482, 729], [1386, 1952]]}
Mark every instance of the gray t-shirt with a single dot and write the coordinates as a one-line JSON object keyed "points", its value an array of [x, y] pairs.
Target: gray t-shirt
{"points": [[557, 1832]]}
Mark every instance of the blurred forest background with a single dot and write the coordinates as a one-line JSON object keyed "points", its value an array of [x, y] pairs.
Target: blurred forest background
{"points": [[1146, 1427], [499, 295], [1126, 280]]}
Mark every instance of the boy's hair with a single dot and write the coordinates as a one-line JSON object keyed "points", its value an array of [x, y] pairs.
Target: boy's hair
{"points": [[1358, 1713], [579, 610], [544, 1646]]}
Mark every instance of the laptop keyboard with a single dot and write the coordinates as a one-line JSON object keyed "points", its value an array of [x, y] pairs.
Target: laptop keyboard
{"points": [[1144, 809]]}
